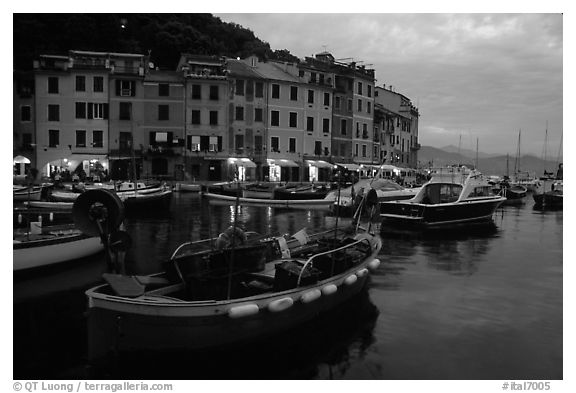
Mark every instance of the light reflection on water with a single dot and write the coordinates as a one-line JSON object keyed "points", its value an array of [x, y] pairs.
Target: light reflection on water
{"points": [[441, 306]]}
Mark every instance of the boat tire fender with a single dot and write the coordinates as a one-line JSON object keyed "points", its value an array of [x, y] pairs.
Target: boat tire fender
{"points": [[329, 289], [351, 279], [280, 304], [311, 296], [242, 311], [373, 264]]}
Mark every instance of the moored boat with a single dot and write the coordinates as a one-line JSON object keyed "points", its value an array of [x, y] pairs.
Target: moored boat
{"points": [[52, 247], [300, 192], [286, 203], [461, 198], [27, 193], [206, 299], [549, 193]]}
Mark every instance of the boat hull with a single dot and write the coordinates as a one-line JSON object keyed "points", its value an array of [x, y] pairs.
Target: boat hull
{"points": [[287, 204], [416, 215], [550, 199], [159, 200], [25, 195], [119, 325], [35, 254]]}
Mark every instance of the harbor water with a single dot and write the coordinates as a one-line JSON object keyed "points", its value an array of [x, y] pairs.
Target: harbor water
{"points": [[484, 304]]}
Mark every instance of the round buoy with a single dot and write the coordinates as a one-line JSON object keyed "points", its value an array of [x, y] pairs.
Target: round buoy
{"points": [[373, 264], [242, 311], [280, 304], [311, 296], [329, 289]]}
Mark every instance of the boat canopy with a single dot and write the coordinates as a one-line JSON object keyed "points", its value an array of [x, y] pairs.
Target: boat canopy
{"points": [[350, 167], [282, 162], [245, 162], [319, 164]]}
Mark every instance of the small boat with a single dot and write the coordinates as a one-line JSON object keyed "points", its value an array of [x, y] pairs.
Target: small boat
{"points": [[243, 288], [260, 190], [515, 194], [63, 196], [549, 193], [286, 203], [187, 187], [155, 199], [27, 193], [350, 197], [300, 192], [51, 247], [49, 205], [224, 188], [447, 200]]}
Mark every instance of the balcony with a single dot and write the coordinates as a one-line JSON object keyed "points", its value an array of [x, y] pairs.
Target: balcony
{"points": [[157, 151]]}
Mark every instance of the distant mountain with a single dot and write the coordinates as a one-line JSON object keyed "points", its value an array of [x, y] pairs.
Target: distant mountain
{"points": [[489, 164], [467, 152]]}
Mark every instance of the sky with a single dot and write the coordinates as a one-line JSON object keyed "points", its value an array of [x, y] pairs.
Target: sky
{"points": [[473, 77]]}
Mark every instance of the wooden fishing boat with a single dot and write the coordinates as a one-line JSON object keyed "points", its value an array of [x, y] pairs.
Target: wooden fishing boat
{"points": [[63, 196], [27, 193], [300, 192], [446, 200], [230, 293], [549, 193], [287, 203], [188, 187], [259, 190], [156, 199], [49, 205], [52, 247]]}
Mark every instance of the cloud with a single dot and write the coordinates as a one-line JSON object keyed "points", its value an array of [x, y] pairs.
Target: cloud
{"points": [[489, 73]]}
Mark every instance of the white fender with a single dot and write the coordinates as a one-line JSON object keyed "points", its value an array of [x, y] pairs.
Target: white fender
{"points": [[310, 296], [329, 289], [280, 304], [351, 279], [242, 311], [362, 272], [373, 264]]}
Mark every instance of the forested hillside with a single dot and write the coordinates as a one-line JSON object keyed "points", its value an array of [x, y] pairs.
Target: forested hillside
{"points": [[164, 36]]}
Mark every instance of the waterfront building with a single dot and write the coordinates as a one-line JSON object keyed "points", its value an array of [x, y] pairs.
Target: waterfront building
{"points": [[206, 96], [71, 117], [23, 123], [399, 125]]}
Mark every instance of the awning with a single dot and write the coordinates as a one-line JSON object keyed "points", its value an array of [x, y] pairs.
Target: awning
{"points": [[350, 167], [245, 162], [319, 164], [21, 160], [282, 162]]}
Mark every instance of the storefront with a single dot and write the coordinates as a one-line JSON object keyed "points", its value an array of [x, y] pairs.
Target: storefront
{"points": [[318, 170], [283, 170], [244, 168]]}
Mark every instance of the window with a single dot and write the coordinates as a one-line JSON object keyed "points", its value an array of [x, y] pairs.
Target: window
{"points": [[259, 89], [375, 151], [258, 143], [337, 103], [313, 77], [53, 138], [364, 130], [292, 145], [96, 110], [356, 150], [343, 130], [360, 88], [310, 96], [369, 90], [125, 141], [125, 88], [349, 104], [275, 118], [359, 105], [194, 142], [325, 125], [25, 113], [294, 93], [309, 123], [195, 117], [97, 138], [80, 138], [239, 87], [321, 79], [369, 107], [125, 110], [357, 130], [53, 112], [327, 99], [53, 85], [213, 118], [163, 112], [275, 144], [317, 148], [214, 95], [98, 84], [80, 83], [239, 142], [239, 113], [163, 89], [258, 113], [275, 91], [293, 122], [80, 110], [363, 150], [196, 92], [213, 145]]}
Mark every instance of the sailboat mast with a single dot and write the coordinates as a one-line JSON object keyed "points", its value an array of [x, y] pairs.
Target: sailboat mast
{"points": [[476, 153]]}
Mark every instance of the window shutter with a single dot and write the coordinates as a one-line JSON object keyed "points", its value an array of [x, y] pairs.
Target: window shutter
{"points": [[90, 110], [106, 111], [170, 138], [219, 143], [152, 138], [117, 87], [204, 143], [189, 142], [133, 88]]}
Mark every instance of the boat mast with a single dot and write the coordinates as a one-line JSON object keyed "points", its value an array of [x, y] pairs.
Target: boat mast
{"points": [[233, 237], [517, 160], [476, 153]]}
